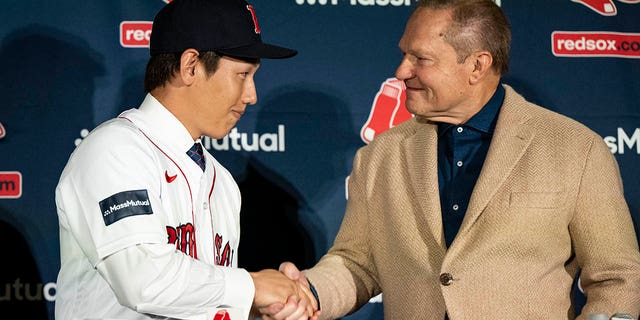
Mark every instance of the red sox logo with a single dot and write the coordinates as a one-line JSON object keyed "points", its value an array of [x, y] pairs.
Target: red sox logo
{"points": [[2, 131], [222, 315], [604, 7], [387, 111]]}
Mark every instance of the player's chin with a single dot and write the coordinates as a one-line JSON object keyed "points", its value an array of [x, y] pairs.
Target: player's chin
{"points": [[230, 125], [219, 134]]}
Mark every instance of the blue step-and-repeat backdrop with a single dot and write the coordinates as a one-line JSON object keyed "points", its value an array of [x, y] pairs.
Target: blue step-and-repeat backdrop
{"points": [[66, 66]]}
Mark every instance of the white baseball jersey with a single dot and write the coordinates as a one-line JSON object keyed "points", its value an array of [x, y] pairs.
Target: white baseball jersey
{"points": [[142, 225]]}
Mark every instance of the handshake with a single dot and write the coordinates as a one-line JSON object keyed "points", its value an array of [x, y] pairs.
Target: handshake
{"points": [[283, 294]]}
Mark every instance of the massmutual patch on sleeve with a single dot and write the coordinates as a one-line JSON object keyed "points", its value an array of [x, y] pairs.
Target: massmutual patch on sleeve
{"points": [[125, 204]]}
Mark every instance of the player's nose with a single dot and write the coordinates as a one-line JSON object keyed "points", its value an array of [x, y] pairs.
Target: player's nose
{"points": [[250, 96]]}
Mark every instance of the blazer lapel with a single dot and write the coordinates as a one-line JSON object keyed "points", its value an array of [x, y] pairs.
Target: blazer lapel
{"points": [[510, 140], [422, 161]]}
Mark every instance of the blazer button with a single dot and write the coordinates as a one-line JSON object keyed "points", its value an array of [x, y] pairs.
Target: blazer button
{"points": [[446, 279]]}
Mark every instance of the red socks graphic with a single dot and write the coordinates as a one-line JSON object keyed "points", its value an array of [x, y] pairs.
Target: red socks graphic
{"points": [[401, 114], [388, 110], [604, 7]]}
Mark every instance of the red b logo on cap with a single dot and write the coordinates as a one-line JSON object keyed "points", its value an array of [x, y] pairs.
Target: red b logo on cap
{"points": [[255, 18]]}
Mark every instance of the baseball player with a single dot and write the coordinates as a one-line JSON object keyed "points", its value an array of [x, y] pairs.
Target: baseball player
{"points": [[149, 221]]}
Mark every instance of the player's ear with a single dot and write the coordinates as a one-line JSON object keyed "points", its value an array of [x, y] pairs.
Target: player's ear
{"points": [[188, 65], [481, 63]]}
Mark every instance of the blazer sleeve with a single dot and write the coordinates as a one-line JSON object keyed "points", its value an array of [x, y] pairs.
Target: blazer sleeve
{"points": [[345, 278], [604, 239]]}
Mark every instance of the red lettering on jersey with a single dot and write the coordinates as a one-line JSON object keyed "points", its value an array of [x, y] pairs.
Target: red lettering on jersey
{"points": [[172, 235], [184, 237], [255, 19], [224, 257]]}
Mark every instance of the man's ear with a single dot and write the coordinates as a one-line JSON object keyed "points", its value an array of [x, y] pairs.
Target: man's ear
{"points": [[482, 65], [188, 65]]}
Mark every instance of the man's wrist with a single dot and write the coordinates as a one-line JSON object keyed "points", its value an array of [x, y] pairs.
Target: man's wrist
{"points": [[315, 292]]}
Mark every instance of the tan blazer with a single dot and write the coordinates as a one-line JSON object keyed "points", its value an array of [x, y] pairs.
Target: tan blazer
{"points": [[548, 201]]}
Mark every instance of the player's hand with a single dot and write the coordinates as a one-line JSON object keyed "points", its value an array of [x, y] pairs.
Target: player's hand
{"points": [[291, 271], [273, 287], [294, 308]]}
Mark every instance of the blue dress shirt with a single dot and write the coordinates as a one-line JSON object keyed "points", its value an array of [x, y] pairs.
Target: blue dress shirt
{"points": [[461, 153]]}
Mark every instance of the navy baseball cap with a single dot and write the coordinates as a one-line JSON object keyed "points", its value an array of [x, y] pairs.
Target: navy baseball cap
{"points": [[227, 27]]}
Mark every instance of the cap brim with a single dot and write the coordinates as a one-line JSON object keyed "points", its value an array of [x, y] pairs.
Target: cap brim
{"points": [[259, 51]]}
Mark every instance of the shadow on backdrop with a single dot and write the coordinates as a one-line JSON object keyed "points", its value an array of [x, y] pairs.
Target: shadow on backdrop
{"points": [[132, 89], [270, 228], [285, 194], [47, 86], [21, 289]]}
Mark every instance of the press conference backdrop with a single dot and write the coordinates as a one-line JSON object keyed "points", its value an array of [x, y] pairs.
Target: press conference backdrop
{"points": [[66, 66]]}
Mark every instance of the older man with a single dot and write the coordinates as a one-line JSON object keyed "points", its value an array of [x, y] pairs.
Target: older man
{"points": [[484, 206]]}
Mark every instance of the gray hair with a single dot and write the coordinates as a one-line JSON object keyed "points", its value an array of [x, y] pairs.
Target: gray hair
{"points": [[476, 25]]}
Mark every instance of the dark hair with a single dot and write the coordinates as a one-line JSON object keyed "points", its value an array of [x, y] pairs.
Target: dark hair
{"points": [[162, 67], [476, 25]]}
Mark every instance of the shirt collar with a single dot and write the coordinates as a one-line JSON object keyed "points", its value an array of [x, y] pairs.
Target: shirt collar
{"points": [[164, 124], [485, 120]]}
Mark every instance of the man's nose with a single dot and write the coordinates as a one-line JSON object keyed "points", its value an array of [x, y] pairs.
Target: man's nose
{"points": [[404, 70]]}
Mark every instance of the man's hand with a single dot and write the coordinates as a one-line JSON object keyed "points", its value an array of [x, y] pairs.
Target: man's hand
{"points": [[272, 287], [291, 271], [276, 294], [292, 310]]}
